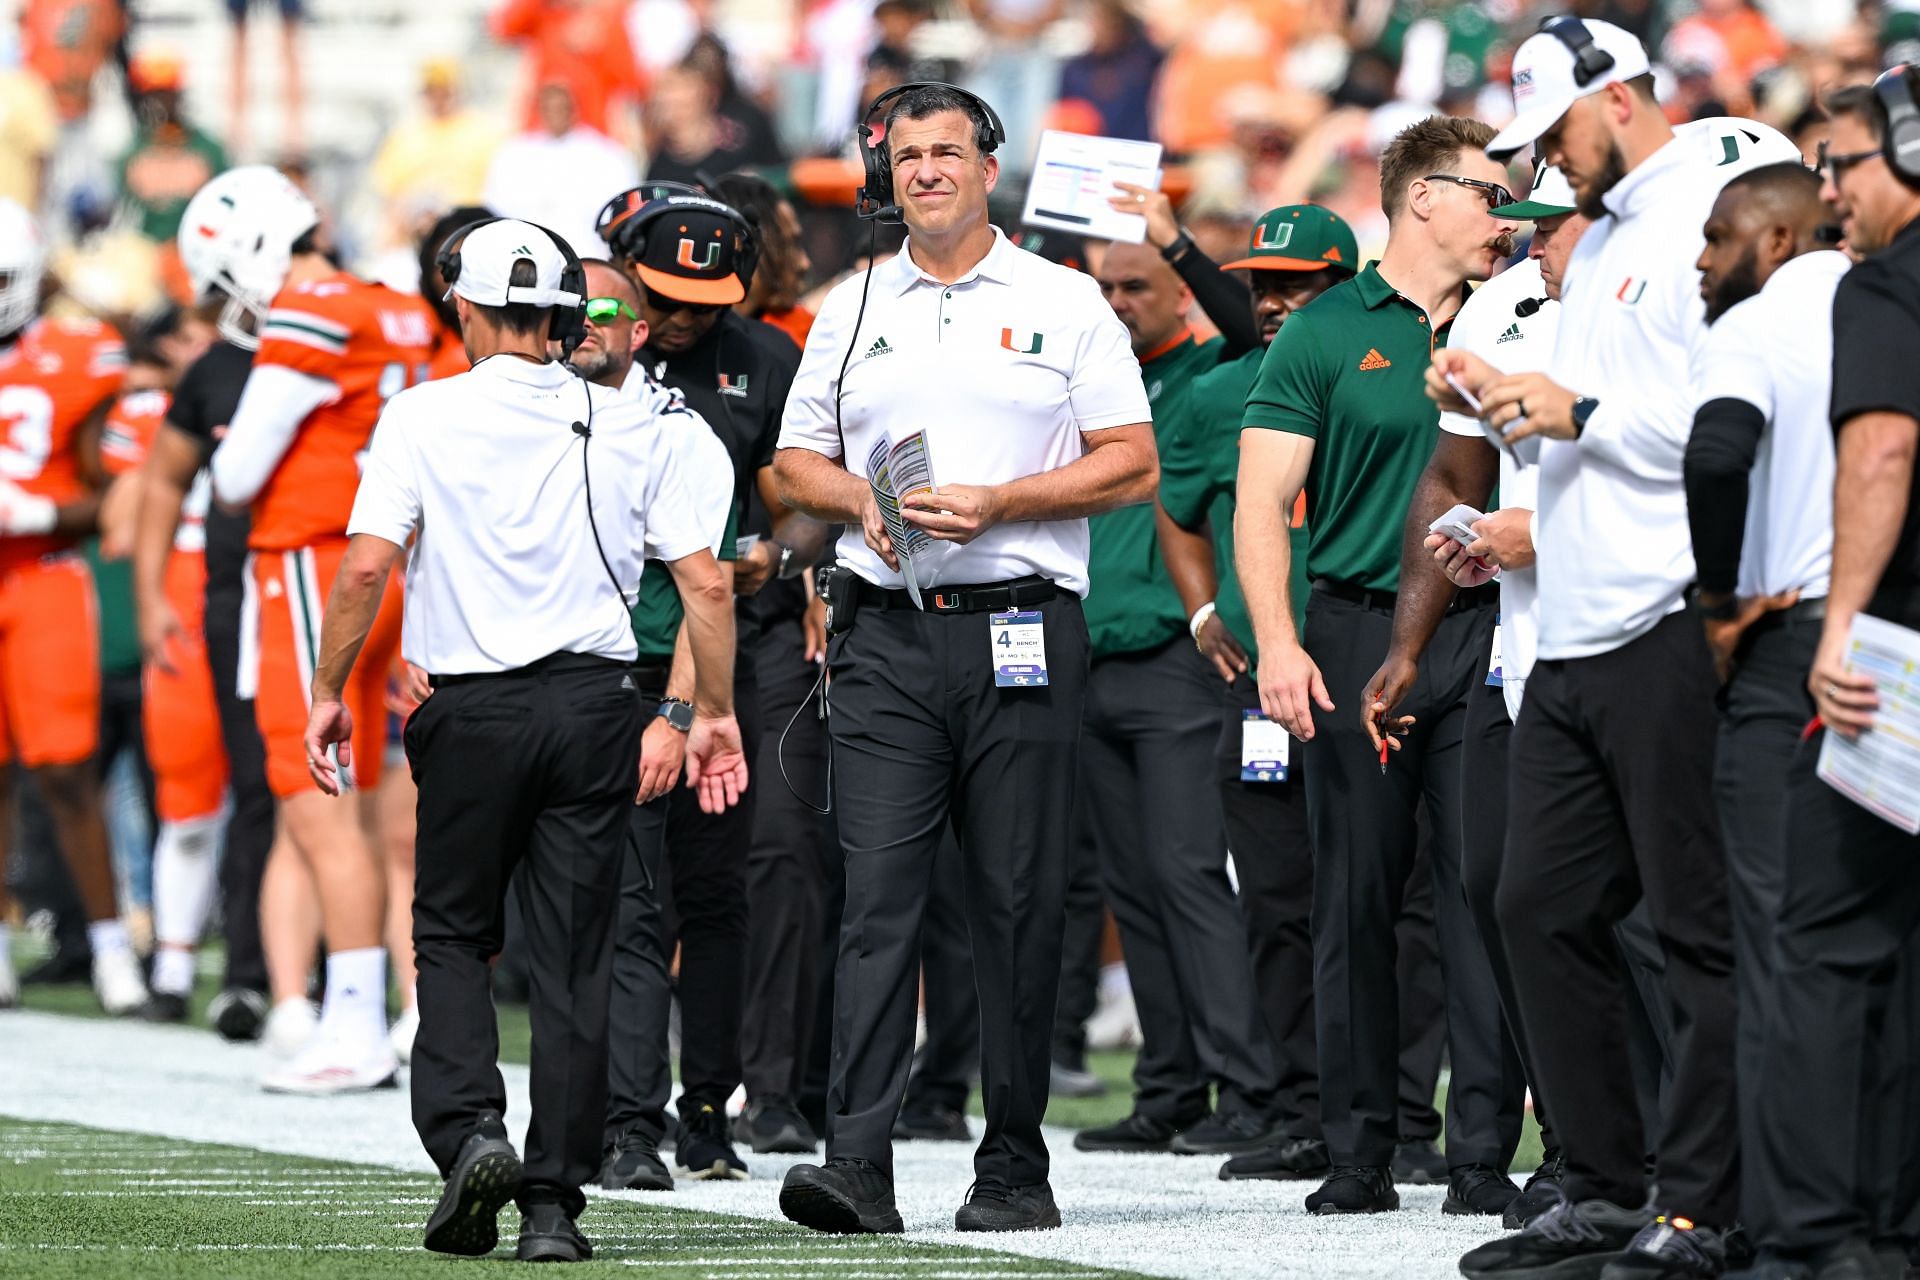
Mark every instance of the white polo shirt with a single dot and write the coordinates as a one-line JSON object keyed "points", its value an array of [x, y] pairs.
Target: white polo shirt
{"points": [[1003, 369], [1488, 327], [1616, 553], [1775, 351], [485, 468], [705, 466]]}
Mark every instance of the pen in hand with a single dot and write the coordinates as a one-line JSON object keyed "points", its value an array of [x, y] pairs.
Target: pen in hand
{"points": [[1378, 694]]}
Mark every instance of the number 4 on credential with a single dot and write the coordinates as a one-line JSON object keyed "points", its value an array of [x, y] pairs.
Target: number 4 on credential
{"points": [[1019, 649]]}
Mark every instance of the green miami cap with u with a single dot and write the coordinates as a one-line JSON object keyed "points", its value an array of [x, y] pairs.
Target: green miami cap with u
{"points": [[1550, 196], [1300, 237]]}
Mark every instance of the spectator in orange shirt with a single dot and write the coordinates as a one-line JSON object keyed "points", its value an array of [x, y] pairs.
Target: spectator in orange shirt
{"points": [[580, 43]]}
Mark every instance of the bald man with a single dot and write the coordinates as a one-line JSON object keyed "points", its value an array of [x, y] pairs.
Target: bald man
{"points": [[1759, 480]]}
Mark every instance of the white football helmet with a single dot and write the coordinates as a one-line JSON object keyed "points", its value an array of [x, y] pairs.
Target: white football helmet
{"points": [[23, 263], [237, 235]]}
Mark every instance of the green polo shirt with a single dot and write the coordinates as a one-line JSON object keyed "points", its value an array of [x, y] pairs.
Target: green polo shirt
{"points": [[1349, 373], [657, 610], [1199, 468], [1131, 605]]}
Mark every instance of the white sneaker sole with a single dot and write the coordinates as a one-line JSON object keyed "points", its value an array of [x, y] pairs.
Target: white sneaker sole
{"points": [[328, 1081]]}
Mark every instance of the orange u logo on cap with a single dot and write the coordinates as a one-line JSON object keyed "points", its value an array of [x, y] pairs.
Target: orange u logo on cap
{"points": [[686, 256]]}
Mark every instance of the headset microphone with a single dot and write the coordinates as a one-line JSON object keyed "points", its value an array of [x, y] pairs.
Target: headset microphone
{"points": [[1527, 306]]}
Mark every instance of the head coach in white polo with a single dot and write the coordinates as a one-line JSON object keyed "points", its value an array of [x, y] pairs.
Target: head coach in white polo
{"points": [[530, 498], [1036, 417]]}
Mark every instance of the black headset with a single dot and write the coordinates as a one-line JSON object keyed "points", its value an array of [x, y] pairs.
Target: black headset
{"points": [[874, 200], [1900, 142], [624, 221], [568, 324], [1590, 61]]}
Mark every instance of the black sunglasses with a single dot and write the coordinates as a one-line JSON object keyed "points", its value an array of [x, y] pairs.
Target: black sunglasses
{"points": [[1495, 194], [1835, 167]]}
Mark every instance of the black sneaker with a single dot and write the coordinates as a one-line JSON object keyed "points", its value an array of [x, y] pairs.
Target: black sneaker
{"points": [[66, 966], [845, 1196], [1542, 1192], [485, 1175], [703, 1152], [1478, 1189], [992, 1207], [931, 1124], [1136, 1133], [548, 1234], [163, 1006], [1418, 1162], [1567, 1240], [1671, 1248], [1224, 1133], [633, 1164], [238, 1014], [1285, 1161], [1355, 1189], [775, 1127]]}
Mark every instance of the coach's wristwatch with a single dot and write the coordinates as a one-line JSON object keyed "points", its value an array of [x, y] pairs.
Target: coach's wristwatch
{"points": [[678, 713], [1582, 410]]}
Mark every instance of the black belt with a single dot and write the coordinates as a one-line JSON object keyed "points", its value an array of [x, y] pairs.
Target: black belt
{"points": [[1483, 597], [1793, 615], [552, 664], [979, 597], [651, 676]]}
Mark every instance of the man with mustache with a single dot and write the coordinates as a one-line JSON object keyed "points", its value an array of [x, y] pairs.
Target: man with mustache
{"points": [[1336, 412]]}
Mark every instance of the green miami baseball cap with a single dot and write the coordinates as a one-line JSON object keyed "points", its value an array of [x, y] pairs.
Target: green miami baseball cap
{"points": [[1550, 196], [1300, 237]]}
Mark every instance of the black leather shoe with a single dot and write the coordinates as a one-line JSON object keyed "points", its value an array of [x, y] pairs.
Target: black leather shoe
{"points": [[1542, 1192], [1285, 1161], [844, 1196], [485, 1175], [1355, 1189], [548, 1234], [931, 1124], [775, 1127], [1224, 1133], [1418, 1162], [1478, 1189], [633, 1164], [992, 1207], [1136, 1133], [163, 1006]]}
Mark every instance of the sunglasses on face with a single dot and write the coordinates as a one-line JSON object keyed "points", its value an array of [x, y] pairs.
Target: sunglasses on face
{"points": [[669, 307], [1494, 194], [1835, 167], [607, 310]]}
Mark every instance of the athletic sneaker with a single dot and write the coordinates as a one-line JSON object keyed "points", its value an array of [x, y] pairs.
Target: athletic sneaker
{"points": [[404, 1029], [163, 1006], [703, 1152], [845, 1196], [1137, 1132], [1418, 1162], [1542, 1192], [1224, 1133], [931, 1124], [333, 1064], [1570, 1240], [1065, 1080], [117, 981], [993, 1207], [548, 1234], [485, 1175], [1851, 1260], [1355, 1189], [1671, 1248], [238, 1014], [290, 1027], [1285, 1161], [775, 1126], [633, 1164], [1478, 1189]]}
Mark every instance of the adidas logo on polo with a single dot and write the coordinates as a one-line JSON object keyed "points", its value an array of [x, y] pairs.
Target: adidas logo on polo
{"points": [[879, 348], [1511, 334], [1374, 360]]}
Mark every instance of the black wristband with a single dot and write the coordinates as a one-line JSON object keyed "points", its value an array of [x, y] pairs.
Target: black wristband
{"points": [[1178, 249]]}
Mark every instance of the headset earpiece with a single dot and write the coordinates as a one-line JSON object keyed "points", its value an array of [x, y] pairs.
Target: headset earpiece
{"points": [[1900, 143], [567, 325], [1590, 61], [874, 200]]}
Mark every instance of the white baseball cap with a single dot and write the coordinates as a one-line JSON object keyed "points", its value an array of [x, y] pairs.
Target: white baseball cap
{"points": [[1547, 77], [487, 258]]}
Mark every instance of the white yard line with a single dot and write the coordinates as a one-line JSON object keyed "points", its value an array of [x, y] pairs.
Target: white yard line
{"points": [[1162, 1215]]}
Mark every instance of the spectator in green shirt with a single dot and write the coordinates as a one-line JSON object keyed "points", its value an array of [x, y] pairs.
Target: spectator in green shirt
{"points": [[169, 158]]}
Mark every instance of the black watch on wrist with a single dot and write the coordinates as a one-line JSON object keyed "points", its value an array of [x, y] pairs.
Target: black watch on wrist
{"points": [[678, 713], [1582, 410], [1725, 609], [1178, 249]]}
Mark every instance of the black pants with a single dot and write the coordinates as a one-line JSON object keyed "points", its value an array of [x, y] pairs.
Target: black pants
{"points": [[250, 824], [639, 1067], [1365, 838], [944, 1068], [921, 735], [536, 767], [1080, 948], [787, 867], [1834, 1094], [1148, 806], [1613, 802]]}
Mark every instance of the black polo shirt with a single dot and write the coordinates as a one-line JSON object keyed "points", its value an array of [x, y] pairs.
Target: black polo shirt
{"points": [[1876, 331], [202, 406]]}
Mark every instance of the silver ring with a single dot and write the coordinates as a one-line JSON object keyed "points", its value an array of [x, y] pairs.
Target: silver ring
{"points": [[1833, 689]]}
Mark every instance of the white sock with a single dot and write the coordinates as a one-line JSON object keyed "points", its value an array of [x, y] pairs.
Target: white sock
{"points": [[108, 935], [173, 971], [6, 945], [185, 879], [356, 1001]]}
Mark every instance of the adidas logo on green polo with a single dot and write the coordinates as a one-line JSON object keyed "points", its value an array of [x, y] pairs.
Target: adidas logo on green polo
{"points": [[1512, 334], [879, 348]]}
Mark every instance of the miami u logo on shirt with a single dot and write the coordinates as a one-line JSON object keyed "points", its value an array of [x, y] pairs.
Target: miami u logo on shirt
{"points": [[1033, 342], [1630, 290], [686, 255]]}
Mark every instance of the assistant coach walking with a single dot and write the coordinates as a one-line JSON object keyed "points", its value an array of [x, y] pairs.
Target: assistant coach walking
{"points": [[1031, 398], [528, 750]]}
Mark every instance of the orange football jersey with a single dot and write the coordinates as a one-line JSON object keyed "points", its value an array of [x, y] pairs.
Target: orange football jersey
{"points": [[128, 435], [370, 342], [51, 381]]}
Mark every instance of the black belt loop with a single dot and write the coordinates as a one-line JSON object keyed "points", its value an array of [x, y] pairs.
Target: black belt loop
{"points": [[982, 597], [539, 669]]}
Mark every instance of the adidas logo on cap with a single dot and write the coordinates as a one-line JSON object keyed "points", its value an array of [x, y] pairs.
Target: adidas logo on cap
{"points": [[879, 348], [1510, 334]]}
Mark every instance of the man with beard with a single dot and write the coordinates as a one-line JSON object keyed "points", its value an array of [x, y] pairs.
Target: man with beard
{"points": [[1336, 412]]}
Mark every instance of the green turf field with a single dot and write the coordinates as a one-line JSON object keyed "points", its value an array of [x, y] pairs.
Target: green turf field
{"points": [[95, 1203]]}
